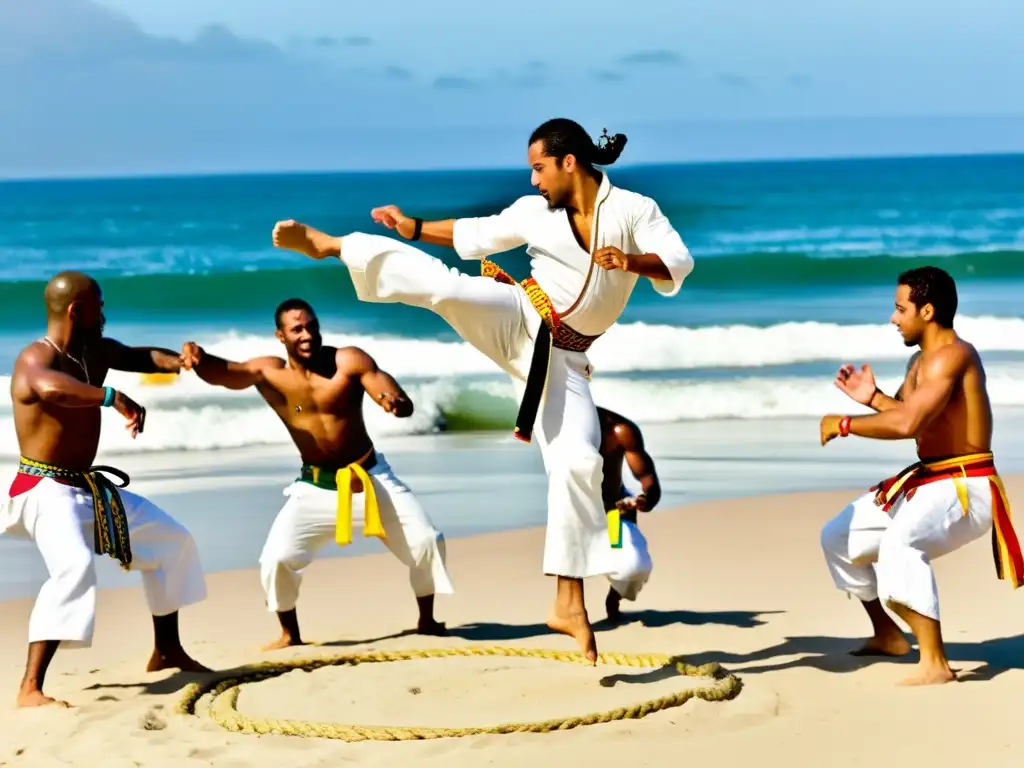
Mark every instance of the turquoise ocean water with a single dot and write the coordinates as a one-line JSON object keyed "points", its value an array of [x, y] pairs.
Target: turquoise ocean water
{"points": [[795, 271]]}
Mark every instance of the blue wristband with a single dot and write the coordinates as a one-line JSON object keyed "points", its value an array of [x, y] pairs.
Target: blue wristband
{"points": [[108, 396]]}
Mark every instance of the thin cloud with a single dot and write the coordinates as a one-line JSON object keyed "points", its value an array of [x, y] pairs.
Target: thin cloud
{"points": [[661, 58], [454, 83]]}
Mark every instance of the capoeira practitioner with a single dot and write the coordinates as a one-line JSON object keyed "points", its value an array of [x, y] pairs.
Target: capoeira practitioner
{"points": [[621, 441], [68, 508], [589, 242], [318, 394], [949, 498]]}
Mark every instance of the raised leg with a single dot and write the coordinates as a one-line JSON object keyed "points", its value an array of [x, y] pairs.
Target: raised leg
{"points": [[493, 317]]}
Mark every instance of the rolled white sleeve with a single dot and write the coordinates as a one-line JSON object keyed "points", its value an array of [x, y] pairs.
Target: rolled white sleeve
{"points": [[653, 233], [480, 237]]}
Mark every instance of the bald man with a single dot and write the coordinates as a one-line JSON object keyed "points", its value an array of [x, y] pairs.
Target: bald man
{"points": [[67, 508]]}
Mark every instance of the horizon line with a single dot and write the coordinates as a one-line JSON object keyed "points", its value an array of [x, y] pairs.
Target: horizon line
{"points": [[257, 172]]}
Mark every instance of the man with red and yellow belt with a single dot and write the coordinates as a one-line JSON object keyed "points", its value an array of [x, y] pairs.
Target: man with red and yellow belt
{"points": [[949, 498]]}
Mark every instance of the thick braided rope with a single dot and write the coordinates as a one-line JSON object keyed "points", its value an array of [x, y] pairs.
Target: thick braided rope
{"points": [[223, 693]]}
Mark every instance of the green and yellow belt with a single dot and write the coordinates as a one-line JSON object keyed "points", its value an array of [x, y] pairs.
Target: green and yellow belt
{"points": [[110, 536], [553, 332], [339, 479]]}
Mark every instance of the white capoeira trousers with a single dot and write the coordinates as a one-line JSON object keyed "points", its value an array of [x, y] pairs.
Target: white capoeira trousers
{"points": [[498, 320], [307, 523], [59, 519], [873, 554], [632, 563]]}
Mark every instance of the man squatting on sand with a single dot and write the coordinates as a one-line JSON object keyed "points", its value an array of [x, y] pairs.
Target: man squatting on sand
{"points": [[589, 242], [318, 394], [621, 440], [949, 498], [67, 508]]}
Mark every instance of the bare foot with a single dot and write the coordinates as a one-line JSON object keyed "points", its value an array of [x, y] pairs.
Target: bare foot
{"points": [[431, 627], [930, 673], [284, 641], [177, 659], [894, 644], [576, 625], [611, 606], [295, 236], [39, 699]]}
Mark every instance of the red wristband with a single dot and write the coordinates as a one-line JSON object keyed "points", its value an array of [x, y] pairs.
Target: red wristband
{"points": [[844, 426]]}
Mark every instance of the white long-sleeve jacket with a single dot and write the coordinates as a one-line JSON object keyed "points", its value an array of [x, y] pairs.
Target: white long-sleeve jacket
{"points": [[589, 298]]}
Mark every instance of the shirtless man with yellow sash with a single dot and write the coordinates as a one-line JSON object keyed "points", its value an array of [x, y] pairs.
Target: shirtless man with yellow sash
{"points": [[67, 506], [318, 394], [947, 499]]}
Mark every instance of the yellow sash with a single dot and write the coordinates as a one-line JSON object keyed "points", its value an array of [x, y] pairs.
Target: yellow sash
{"points": [[615, 527], [372, 525]]}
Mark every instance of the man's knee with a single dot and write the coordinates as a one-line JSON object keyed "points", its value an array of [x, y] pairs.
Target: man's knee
{"points": [[423, 542], [77, 568], [835, 534]]}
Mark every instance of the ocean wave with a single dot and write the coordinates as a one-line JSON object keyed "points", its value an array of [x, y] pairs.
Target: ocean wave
{"points": [[644, 347], [188, 415]]}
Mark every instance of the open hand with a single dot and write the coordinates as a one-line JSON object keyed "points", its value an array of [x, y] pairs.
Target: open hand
{"points": [[611, 258], [191, 355], [857, 384], [391, 216], [134, 413]]}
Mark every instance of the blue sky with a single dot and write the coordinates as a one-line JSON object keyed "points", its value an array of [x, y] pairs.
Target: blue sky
{"points": [[140, 86]]}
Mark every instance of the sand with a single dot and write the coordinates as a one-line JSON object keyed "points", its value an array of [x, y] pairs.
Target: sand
{"points": [[738, 582]]}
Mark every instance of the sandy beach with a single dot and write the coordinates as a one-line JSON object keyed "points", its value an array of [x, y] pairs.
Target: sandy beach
{"points": [[739, 582]]}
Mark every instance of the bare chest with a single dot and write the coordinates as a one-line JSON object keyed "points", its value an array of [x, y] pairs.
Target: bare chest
{"points": [[297, 396]]}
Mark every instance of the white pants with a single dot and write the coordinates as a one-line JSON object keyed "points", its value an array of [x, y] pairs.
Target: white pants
{"points": [[308, 522], [632, 563], [902, 543], [498, 320], [60, 520]]}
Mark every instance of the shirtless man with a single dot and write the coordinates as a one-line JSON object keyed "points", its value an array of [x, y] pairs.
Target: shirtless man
{"points": [[57, 392], [951, 497], [318, 394], [621, 441]]}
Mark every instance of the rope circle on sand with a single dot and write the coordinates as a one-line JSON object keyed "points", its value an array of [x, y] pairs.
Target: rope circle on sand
{"points": [[223, 693]]}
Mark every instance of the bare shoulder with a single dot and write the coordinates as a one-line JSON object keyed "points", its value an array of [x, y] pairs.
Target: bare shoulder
{"points": [[952, 360], [36, 353], [914, 358], [353, 361], [627, 433]]}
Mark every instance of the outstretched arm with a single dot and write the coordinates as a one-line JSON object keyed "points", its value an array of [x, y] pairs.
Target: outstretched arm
{"points": [[226, 373], [640, 464], [120, 357], [379, 384], [937, 380]]}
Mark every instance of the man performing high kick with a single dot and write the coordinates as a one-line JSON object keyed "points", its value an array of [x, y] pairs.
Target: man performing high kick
{"points": [[589, 241]]}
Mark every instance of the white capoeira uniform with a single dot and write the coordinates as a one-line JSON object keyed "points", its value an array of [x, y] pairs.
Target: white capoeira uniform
{"points": [[308, 521], [882, 550], [631, 562], [60, 520], [501, 322]]}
